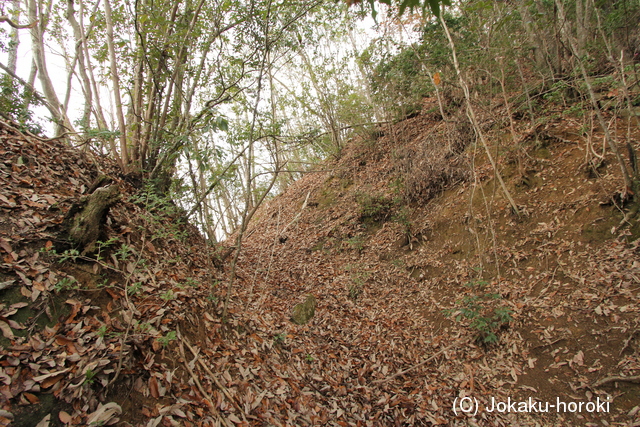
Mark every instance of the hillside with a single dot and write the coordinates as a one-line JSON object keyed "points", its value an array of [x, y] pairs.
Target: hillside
{"points": [[429, 288], [402, 236]]}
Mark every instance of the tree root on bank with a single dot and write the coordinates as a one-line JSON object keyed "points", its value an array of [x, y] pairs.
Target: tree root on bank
{"points": [[631, 214], [86, 217]]}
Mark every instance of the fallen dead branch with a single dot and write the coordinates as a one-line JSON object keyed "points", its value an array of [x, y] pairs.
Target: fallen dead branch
{"points": [[424, 362], [208, 397], [613, 379], [213, 378]]}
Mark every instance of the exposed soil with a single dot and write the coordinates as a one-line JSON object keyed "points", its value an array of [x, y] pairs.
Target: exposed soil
{"points": [[430, 289]]}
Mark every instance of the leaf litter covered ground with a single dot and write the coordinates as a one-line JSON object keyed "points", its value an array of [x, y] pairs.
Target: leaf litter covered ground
{"points": [[417, 263]]}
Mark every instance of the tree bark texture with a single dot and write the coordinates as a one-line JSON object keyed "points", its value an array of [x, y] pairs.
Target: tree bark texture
{"points": [[87, 217]]}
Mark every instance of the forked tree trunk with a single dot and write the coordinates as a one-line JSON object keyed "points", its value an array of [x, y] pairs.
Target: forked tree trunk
{"points": [[37, 48], [115, 80]]}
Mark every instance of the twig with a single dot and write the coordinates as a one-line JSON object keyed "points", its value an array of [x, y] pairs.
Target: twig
{"points": [[193, 375], [218, 384], [626, 342], [18, 26], [635, 379], [297, 217], [549, 344], [424, 362], [35, 93]]}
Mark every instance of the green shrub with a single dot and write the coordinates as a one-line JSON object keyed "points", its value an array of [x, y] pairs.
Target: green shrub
{"points": [[374, 208], [484, 319]]}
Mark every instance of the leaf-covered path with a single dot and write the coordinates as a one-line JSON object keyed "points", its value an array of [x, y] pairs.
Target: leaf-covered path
{"points": [[429, 290]]}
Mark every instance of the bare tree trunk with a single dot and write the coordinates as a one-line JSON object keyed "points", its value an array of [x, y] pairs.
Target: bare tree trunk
{"points": [[32, 80], [327, 114], [134, 115], [14, 38], [474, 121], [533, 35], [98, 112], [82, 69], [584, 10], [629, 183], [115, 80], [37, 48]]}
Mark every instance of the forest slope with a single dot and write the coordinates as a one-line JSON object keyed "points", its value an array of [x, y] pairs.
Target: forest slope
{"points": [[428, 286]]}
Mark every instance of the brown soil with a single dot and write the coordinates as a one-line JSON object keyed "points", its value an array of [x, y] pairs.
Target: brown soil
{"points": [[390, 288], [429, 289]]}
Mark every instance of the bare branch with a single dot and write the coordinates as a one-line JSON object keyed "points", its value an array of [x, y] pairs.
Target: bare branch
{"points": [[18, 26]]}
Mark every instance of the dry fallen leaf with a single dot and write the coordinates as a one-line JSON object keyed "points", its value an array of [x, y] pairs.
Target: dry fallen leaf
{"points": [[44, 422], [6, 330], [153, 387], [64, 417], [105, 414], [32, 398]]}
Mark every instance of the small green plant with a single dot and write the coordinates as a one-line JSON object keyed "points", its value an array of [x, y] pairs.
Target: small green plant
{"points": [[124, 252], [175, 260], [354, 291], [143, 327], [279, 338], [373, 208], [102, 246], [66, 284], [483, 319], [69, 254], [556, 93], [102, 331], [191, 282], [165, 340], [89, 377], [477, 284], [134, 288], [168, 295], [309, 358], [356, 242], [358, 279], [399, 262], [104, 283], [403, 217], [397, 185]]}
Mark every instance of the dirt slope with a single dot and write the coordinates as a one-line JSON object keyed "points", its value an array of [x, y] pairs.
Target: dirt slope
{"points": [[98, 331], [397, 239], [547, 301]]}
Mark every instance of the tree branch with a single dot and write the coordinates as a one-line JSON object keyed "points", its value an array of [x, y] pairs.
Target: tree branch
{"points": [[17, 26]]}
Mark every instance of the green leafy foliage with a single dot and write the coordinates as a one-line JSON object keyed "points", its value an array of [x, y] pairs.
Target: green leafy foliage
{"points": [[402, 77], [373, 208], [403, 5], [66, 284], [483, 317], [15, 102], [168, 338], [89, 377]]}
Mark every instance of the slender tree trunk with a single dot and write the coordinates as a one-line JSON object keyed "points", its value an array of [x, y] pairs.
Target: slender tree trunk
{"points": [[37, 48], [327, 116], [474, 121], [532, 35], [32, 80], [97, 111], [14, 37], [82, 69], [629, 183], [115, 80], [584, 10]]}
